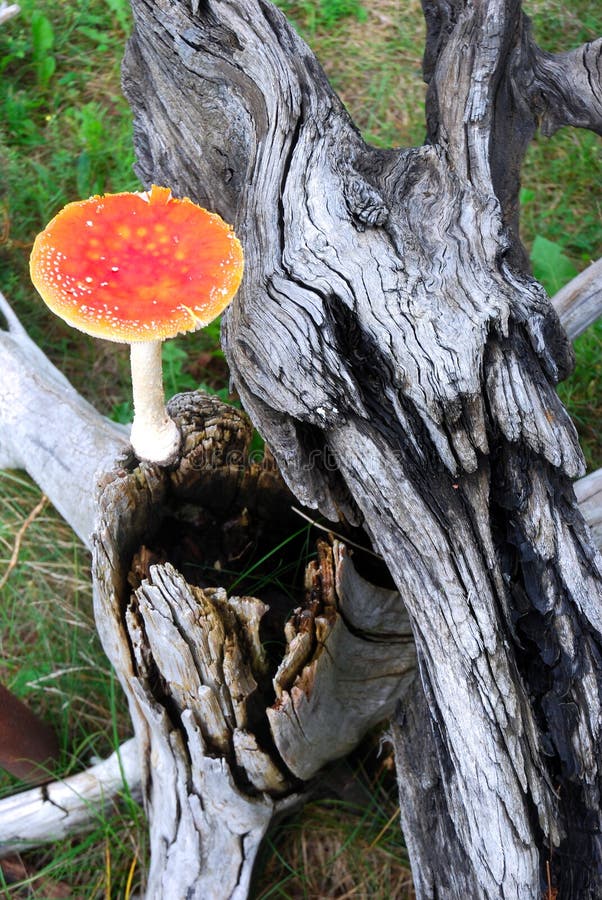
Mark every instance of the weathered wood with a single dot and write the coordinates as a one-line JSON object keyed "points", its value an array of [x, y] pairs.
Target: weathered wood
{"points": [[42, 390], [207, 814], [579, 303], [164, 631], [191, 661], [588, 491], [351, 632], [425, 805], [7, 11], [66, 807], [376, 367], [49, 430], [367, 609], [392, 347]]}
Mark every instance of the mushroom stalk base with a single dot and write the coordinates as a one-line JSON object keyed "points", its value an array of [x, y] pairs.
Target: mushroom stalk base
{"points": [[155, 437]]}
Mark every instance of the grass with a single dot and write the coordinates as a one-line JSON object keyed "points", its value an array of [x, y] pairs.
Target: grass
{"points": [[313, 856], [52, 659], [65, 132]]}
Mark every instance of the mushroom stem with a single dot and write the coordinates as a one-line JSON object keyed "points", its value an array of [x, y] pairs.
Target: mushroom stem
{"points": [[155, 437]]}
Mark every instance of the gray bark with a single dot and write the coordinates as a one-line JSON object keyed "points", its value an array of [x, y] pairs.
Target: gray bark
{"points": [[408, 384], [408, 342], [79, 444], [190, 660]]}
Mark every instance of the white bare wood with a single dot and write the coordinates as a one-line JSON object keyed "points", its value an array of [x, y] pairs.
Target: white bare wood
{"points": [[360, 635], [50, 431], [63, 808], [8, 11], [579, 303], [588, 491]]}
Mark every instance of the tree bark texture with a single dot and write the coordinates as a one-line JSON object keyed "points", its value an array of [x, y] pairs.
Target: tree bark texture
{"points": [[392, 347], [187, 657]]}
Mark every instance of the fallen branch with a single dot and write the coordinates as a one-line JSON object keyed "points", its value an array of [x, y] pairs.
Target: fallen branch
{"points": [[588, 491], [579, 303], [62, 808], [7, 11], [50, 431]]}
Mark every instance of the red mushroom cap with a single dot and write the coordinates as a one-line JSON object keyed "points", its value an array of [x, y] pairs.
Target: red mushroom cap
{"points": [[136, 267]]}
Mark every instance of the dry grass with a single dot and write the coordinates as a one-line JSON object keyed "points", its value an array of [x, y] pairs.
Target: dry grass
{"points": [[49, 651], [380, 79], [316, 858]]}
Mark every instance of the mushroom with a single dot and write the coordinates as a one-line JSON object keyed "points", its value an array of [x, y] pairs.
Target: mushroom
{"points": [[138, 268]]}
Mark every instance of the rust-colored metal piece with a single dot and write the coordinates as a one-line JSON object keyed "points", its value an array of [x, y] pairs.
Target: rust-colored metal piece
{"points": [[28, 746]]}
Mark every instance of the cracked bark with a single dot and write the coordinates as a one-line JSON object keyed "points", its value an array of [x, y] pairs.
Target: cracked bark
{"points": [[408, 384], [408, 345]]}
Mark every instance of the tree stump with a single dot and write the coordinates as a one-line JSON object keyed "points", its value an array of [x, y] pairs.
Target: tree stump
{"points": [[391, 345], [228, 739]]}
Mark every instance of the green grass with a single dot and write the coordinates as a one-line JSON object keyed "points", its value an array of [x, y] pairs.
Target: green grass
{"points": [[65, 133]]}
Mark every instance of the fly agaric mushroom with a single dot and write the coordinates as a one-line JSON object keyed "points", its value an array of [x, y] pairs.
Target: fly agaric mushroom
{"points": [[138, 268]]}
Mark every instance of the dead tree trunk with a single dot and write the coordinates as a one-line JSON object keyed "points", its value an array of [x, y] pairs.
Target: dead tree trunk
{"points": [[392, 347]]}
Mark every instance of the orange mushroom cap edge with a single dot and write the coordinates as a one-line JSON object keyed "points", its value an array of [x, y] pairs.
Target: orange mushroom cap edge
{"points": [[138, 268]]}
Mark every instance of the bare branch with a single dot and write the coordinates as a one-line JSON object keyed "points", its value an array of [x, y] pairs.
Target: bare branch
{"points": [[579, 303], [7, 11], [565, 88], [588, 491], [50, 431], [62, 808]]}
